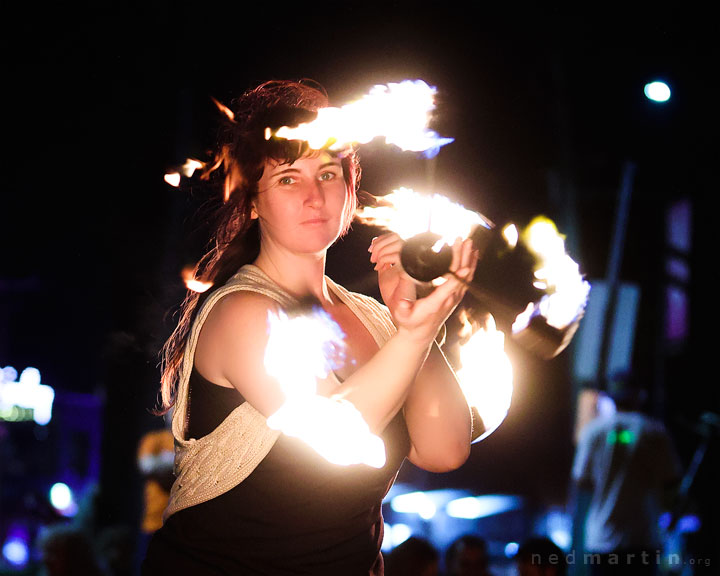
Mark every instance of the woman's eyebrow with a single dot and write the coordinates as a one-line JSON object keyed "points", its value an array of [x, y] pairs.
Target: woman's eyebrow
{"points": [[331, 163], [285, 171], [335, 163]]}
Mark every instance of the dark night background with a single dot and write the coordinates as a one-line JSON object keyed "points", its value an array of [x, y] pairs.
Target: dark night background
{"points": [[546, 108]]}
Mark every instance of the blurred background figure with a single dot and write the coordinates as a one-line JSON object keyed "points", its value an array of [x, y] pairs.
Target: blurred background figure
{"points": [[467, 556], [539, 556], [155, 457], [115, 548], [65, 550], [155, 462], [626, 463], [413, 557]]}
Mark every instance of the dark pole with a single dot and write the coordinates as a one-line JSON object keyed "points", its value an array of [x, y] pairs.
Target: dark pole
{"points": [[622, 216]]}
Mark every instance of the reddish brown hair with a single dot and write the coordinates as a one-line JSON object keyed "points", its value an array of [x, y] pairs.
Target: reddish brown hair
{"points": [[242, 152]]}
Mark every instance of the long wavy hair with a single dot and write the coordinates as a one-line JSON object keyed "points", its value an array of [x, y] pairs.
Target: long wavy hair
{"points": [[238, 164]]}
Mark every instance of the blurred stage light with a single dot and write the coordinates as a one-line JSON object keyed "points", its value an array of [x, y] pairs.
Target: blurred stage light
{"points": [[657, 91], [62, 499], [395, 534], [561, 537], [414, 503], [474, 507], [25, 398], [511, 549], [16, 552]]}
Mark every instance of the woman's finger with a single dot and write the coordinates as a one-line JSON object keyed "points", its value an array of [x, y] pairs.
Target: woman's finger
{"points": [[380, 241], [382, 246], [468, 258], [456, 255]]}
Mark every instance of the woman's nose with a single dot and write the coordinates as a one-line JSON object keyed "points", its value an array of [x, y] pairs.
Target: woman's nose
{"points": [[315, 194]]}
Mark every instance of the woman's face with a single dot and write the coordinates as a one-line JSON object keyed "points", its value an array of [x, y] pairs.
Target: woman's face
{"points": [[301, 205]]}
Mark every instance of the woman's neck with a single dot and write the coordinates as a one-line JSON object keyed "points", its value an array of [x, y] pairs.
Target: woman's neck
{"points": [[301, 275]]}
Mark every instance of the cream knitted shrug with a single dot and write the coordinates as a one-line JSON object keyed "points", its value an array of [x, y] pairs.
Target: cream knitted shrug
{"points": [[209, 466]]}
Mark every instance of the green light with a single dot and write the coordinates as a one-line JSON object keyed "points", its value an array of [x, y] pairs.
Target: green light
{"points": [[625, 437]]}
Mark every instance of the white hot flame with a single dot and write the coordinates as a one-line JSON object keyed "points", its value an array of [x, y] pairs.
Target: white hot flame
{"points": [[301, 350], [558, 274], [409, 213], [486, 374], [173, 178], [399, 112], [511, 235]]}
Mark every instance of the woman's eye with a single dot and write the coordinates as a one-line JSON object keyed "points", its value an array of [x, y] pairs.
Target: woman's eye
{"points": [[286, 180], [328, 176]]}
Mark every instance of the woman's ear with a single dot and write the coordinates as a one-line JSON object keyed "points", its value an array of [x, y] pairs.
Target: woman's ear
{"points": [[253, 212]]}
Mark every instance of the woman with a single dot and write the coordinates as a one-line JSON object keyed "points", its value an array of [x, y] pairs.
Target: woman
{"points": [[247, 499]]}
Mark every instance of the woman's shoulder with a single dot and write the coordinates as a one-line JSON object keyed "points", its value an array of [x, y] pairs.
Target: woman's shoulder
{"points": [[358, 297], [233, 333], [244, 306]]}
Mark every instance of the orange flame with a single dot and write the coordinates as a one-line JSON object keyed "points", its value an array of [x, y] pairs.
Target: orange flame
{"points": [[224, 109], [192, 283]]}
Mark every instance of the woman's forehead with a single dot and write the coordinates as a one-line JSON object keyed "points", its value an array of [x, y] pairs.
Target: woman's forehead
{"points": [[309, 160]]}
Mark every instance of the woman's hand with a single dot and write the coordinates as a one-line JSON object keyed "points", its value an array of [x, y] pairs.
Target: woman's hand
{"points": [[421, 318], [395, 284]]}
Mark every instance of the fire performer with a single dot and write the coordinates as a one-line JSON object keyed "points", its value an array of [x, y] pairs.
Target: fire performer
{"points": [[249, 499]]}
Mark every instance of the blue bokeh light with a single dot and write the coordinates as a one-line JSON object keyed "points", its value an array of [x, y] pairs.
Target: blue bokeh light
{"points": [[657, 91]]}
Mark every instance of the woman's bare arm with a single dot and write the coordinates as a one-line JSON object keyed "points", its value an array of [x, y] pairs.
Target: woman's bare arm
{"points": [[232, 343], [436, 411]]}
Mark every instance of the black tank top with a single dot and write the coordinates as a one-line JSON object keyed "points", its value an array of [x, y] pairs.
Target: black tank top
{"points": [[213, 404], [294, 514]]}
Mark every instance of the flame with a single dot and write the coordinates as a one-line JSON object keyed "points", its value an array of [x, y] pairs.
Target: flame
{"points": [[224, 109], [486, 374], [192, 283], [301, 350], [172, 178], [466, 329], [409, 213], [187, 170], [511, 235], [400, 112], [558, 274]]}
